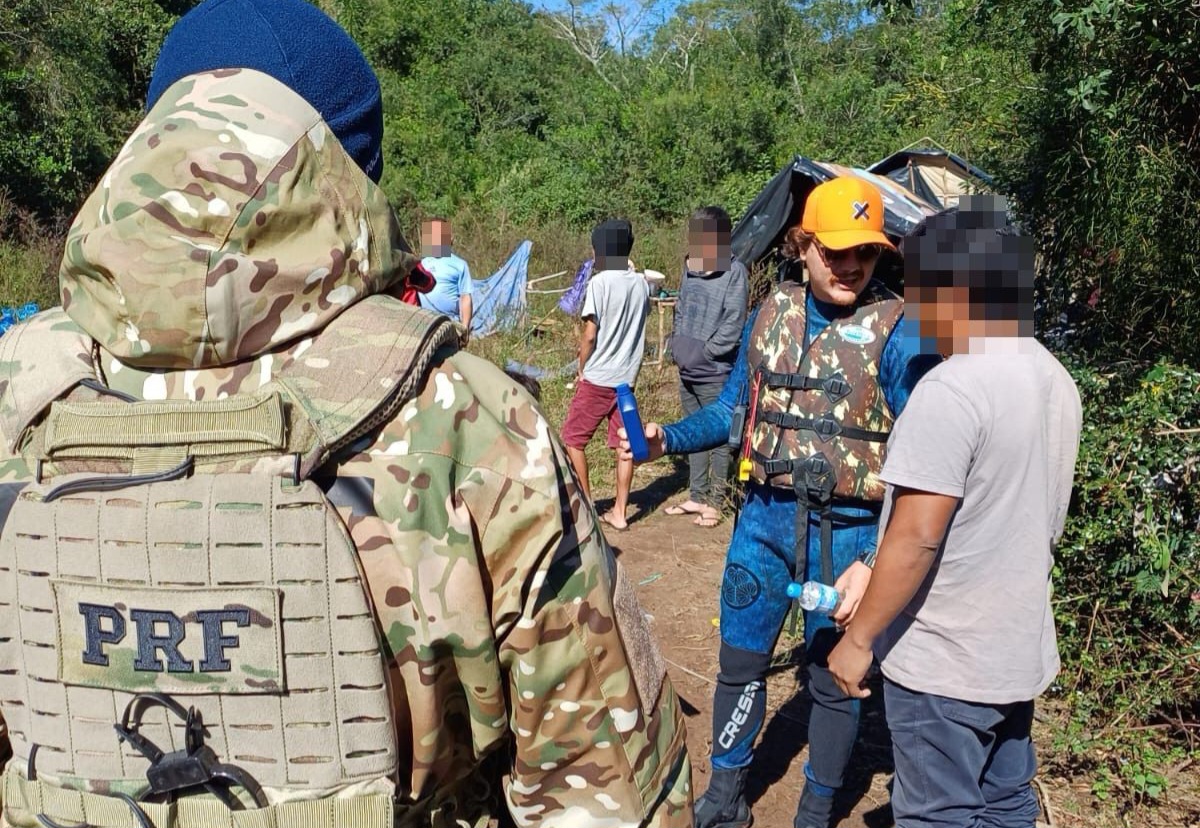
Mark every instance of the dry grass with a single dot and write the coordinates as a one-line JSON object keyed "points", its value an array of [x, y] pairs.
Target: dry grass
{"points": [[29, 255]]}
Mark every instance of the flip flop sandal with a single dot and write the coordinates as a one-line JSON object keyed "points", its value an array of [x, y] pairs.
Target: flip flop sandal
{"points": [[707, 520], [607, 521], [676, 509]]}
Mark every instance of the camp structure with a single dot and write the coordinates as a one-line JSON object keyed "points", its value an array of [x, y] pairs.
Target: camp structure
{"points": [[780, 204], [935, 174]]}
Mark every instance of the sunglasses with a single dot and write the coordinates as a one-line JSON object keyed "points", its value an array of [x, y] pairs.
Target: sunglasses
{"points": [[863, 253]]}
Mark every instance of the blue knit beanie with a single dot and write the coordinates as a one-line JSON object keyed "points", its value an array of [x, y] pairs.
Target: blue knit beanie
{"points": [[294, 42]]}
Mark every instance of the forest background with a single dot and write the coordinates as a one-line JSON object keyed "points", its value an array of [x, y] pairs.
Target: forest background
{"points": [[524, 121]]}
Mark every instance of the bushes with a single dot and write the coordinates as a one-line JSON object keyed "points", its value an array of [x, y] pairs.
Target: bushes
{"points": [[1111, 168], [1127, 579], [73, 76]]}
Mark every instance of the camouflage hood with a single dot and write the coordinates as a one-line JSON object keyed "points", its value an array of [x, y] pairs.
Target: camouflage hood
{"points": [[231, 222]]}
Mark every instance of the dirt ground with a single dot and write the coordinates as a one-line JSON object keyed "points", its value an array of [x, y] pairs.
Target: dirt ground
{"points": [[677, 568]]}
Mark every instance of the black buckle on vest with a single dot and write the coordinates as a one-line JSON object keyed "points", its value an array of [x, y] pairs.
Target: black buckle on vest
{"points": [[818, 478], [836, 388], [182, 771], [826, 428]]}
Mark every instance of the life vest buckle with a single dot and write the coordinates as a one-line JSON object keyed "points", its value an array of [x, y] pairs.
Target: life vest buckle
{"points": [[826, 428], [814, 478], [836, 388]]}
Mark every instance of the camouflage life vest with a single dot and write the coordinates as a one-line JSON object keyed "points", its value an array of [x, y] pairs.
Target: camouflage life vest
{"points": [[822, 404], [172, 568]]}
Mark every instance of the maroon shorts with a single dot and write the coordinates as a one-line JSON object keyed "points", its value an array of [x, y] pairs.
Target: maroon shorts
{"points": [[590, 405]]}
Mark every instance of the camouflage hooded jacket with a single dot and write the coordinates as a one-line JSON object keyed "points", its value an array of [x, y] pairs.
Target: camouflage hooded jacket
{"points": [[227, 234]]}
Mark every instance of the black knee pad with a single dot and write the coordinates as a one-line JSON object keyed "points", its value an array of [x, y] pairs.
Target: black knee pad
{"points": [[739, 667], [739, 705], [823, 641]]}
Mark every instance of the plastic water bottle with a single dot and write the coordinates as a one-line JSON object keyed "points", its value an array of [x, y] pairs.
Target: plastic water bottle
{"points": [[627, 405], [815, 597]]}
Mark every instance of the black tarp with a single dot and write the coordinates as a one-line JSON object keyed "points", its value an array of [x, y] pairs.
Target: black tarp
{"points": [[781, 202]]}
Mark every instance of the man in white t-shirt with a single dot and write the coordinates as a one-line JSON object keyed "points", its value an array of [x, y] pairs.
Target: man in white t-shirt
{"points": [[979, 472], [611, 346]]}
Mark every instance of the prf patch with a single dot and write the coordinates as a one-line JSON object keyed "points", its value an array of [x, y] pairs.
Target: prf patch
{"points": [[177, 640]]}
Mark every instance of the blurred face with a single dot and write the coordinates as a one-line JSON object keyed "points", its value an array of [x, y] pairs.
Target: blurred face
{"points": [[435, 238], [839, 276], [943, 315], [708, 249]]}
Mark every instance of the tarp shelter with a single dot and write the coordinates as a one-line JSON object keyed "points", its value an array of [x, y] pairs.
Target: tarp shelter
{"points": [[780, 204], [938, 176], [499, 301]]}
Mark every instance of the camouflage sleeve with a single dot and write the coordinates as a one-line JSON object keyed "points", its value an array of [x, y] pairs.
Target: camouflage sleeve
{"points": [[598, 732], [508, 619]]}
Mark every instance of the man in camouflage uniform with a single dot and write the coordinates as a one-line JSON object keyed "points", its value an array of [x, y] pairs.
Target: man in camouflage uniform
{"points": [[824, 370], [486, 655]]}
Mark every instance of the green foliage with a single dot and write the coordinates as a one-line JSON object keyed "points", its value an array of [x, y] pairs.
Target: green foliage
{"points": [[1108, 176], [73, 76], [1129, 767], [1128, 567]]}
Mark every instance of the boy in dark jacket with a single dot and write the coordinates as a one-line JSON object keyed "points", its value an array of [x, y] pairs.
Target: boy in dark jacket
{"points": [[704, 343]]}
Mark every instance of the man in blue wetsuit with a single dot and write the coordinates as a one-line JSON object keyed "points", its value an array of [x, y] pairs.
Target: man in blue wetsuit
{"points": [[822, 373]]}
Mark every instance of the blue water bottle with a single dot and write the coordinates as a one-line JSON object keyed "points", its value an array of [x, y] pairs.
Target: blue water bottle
{"points": [[627, 405]]}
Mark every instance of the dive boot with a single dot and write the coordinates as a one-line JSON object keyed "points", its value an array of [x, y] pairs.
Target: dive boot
{"points": [[816, 809], [724, 804]]}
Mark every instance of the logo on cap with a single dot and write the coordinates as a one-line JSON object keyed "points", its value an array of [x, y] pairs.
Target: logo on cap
{"points": [[860, 210]]}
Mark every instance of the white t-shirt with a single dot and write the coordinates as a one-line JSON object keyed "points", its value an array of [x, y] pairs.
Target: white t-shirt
{"points": [[999, 430], [619, 301]]}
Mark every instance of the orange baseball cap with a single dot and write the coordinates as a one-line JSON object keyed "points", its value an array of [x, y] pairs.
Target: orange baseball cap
{"points": [[845, 212]]}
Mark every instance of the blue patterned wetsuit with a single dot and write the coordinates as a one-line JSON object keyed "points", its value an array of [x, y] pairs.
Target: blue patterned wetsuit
{"points": [[761, 562]]}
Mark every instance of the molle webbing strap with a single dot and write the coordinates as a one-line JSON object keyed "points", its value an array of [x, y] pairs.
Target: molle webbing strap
{"points": [[24, 800], [176, 552], [161, 433]]}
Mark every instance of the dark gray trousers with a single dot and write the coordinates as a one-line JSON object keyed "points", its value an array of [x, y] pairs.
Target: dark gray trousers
{"points": [[960, 764], [708, 471]]}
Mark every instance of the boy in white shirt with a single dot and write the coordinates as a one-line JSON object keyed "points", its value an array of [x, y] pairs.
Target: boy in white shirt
{"points": [[611, 346]]}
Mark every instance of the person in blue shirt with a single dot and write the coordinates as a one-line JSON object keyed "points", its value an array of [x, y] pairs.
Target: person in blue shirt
{"points": [[453, 286], [822, 371]]}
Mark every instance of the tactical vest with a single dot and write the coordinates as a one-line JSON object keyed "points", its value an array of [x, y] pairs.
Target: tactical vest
{"points": [[172, 568]]}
